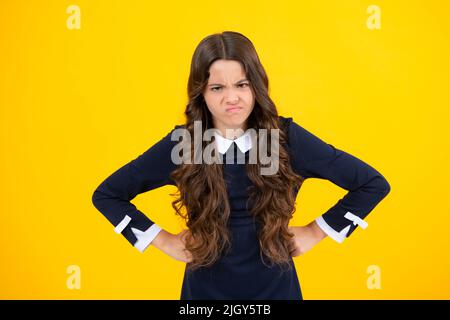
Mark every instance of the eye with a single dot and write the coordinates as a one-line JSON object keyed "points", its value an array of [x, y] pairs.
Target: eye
{"points": [[214, 88], [243, 85]]}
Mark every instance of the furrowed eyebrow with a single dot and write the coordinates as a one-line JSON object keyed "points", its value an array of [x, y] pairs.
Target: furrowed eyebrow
{"points": [[218, 84]]}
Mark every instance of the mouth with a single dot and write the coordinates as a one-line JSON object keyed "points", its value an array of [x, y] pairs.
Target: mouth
{"points": [[233, 109]]}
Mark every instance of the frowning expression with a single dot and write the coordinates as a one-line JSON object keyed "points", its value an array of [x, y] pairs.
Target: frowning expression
{"points": [[228, 95]]}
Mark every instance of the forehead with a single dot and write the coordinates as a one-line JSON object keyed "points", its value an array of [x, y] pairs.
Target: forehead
{"points": [[226, 70]]}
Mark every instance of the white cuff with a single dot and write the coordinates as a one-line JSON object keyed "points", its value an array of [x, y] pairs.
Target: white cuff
{"points": [[340, 236], [145, 238], [356, 220], [336, 236], [122, 225]]}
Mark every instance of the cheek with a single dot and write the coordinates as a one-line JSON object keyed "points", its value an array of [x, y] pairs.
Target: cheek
{"points": [[213, 103], [249, 99]]}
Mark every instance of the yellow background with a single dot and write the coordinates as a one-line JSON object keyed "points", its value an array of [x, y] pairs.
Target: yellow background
{"points": [[78, 104]]}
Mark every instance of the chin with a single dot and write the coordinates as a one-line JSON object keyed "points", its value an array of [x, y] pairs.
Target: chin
{"points": [[237, 122]]}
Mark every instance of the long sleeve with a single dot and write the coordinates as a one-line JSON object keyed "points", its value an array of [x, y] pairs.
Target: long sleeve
{"points": [[314, 158], [112, 197]]}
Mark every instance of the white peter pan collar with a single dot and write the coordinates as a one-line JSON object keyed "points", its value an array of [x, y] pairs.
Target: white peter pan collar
{"points": [[244, 142]]}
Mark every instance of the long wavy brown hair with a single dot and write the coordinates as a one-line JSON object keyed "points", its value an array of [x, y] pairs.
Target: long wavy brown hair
{"points": [[202, 194]]}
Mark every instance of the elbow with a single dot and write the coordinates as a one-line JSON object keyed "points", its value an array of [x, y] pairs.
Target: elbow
{"points": [[383, 186], [102, 198], [96, 198], [388, 187]]}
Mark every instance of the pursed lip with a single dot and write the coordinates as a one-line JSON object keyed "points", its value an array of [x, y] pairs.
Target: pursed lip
{"points": [[232, 108]]}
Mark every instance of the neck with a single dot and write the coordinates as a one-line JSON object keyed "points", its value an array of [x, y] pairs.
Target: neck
{"points": [[231, 132]]}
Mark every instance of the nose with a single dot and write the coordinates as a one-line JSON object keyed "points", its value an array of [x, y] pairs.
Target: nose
{"points": [[232, 97]]}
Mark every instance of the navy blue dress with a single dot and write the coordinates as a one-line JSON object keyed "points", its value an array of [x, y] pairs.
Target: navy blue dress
{"points": [[240, 272]]}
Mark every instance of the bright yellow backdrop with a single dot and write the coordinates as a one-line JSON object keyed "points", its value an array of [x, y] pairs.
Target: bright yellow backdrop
{"points": [[77, 104]]}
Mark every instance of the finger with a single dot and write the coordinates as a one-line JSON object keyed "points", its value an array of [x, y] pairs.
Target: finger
{"points": [[188, 256], [292, 249], [291, 245]]}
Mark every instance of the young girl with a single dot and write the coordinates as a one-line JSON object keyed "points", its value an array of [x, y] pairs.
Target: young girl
{"points": [[238, 244]]}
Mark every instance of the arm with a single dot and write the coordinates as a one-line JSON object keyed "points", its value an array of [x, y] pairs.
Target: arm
{"points": [[314, 158], [112, 197]]}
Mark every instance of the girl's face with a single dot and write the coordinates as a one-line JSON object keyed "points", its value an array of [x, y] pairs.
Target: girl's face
{"points": [[228, 95]]}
